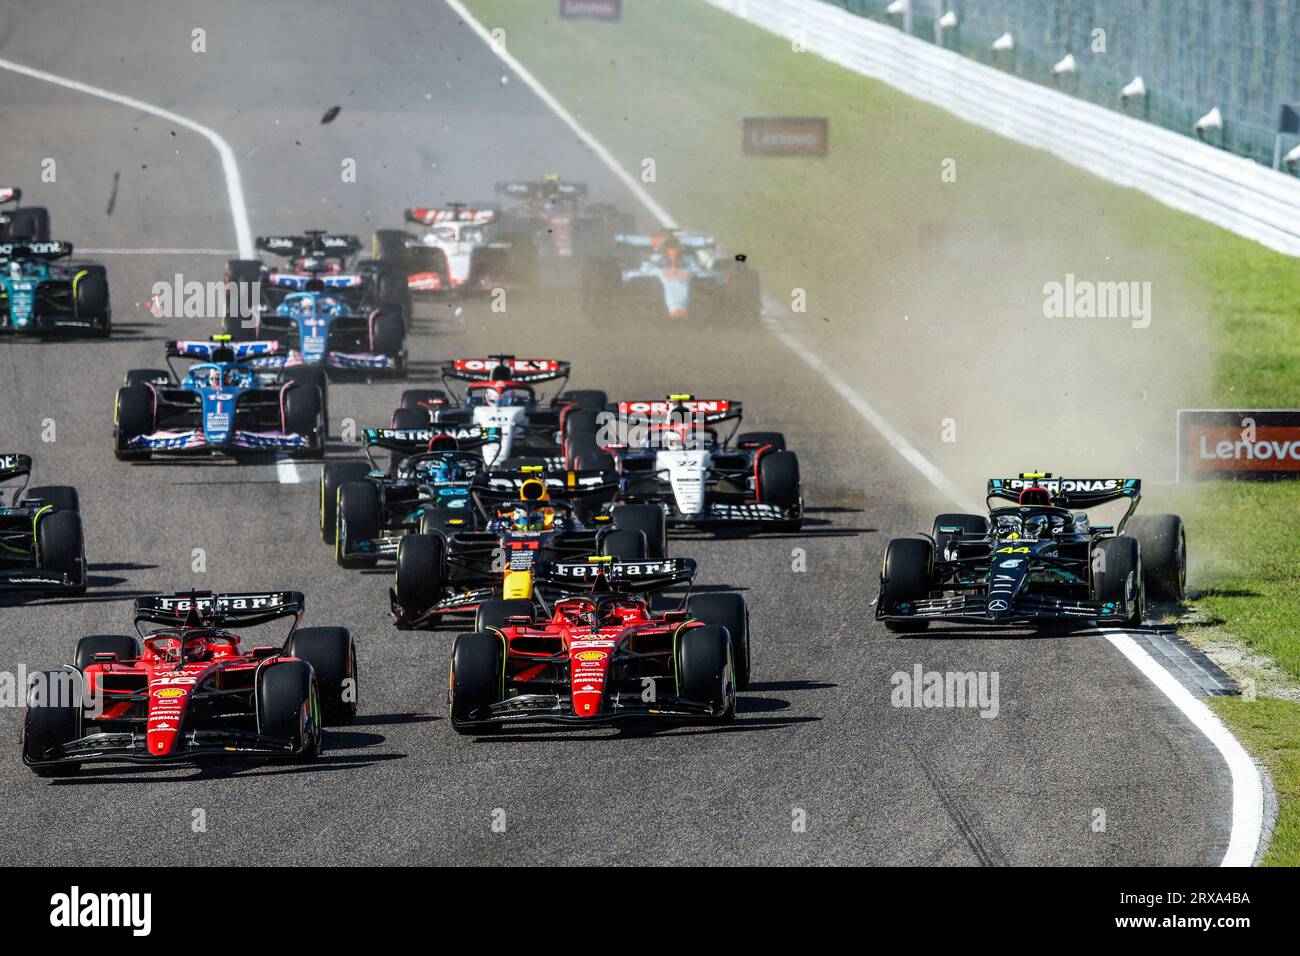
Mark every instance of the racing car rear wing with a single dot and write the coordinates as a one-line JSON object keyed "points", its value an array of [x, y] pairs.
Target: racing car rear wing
{"points": [[524, 370], [429, 216], [206, 609], [13, 465], [502, 486], [413, 441], [630, 577], [1068, 492], [35, 250], [524, 189], [708, 410], [221, 349], [321, 243]]}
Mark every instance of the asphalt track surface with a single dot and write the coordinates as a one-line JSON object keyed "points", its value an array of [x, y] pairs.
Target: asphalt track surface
{"points": [[427, 119]]}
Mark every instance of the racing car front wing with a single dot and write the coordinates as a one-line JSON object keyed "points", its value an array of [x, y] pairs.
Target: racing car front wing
{"points": [[194, 440], [718, 513], [1025, 609], [558, 709], [130, 747], [36, 579], [351, 361]]}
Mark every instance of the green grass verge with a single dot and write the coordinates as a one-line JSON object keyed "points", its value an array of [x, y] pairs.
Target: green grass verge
{"points": [[670, 82]]}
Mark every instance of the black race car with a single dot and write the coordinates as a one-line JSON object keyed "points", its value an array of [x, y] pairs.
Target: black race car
{"points": [[41, 545], [1038, 560]]}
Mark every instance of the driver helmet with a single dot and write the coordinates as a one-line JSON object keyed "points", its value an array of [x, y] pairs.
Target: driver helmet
{"points": [[232, 378], [1007, 526], [1038, 526], [532, 519]]}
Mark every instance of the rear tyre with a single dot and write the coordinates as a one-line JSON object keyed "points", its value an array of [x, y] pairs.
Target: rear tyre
{"points": [[477, 678], [334, 474], [30, 224], [134, 417], [977, 525], [332, 654], [497, 613], [1117, 577], [304, 416], [421, 572], [1164, 554], [906, 578], [412, 397], [389, 247], [240, 318], [778, 483], [388, 335], [651, 521], [51, 721], [288, 706], [147, 376], [593, 399], [705, 673], [62, 497], [358, 514], [313, 375], [624, 545], [759, 439], [406, 418], [125, 647], [60, 547], [730, 611]]}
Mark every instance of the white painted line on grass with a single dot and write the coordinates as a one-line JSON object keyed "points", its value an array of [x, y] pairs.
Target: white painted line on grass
{"points": [[1247, 790], [234, 186]]}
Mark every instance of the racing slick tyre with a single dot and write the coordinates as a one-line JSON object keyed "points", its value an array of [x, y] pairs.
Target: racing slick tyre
{"points": [[90, 299], [29, 224], [438, 519], [648, 519], [778, 484], [594, 399], [601, 461], [1117, 576], [147, 376], [334, 474], [624, 544], [62, 497], [332, 654], [388, 336], [303, 415], [357, 517], [60, 546], [478, 677], [705, 670], [389, 247], [134, 417], [905, 577], [288, 706], [242, 277], [496, 613], [1164, 554], [413, 397], [580, 435], [313, 375], [969, 524], [730, 611], [405, 418], [390, 286], [53, 718], [126, 648], [421, 572], [759, 439]]}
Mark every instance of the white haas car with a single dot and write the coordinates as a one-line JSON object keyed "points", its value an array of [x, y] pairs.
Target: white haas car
{"points": [[460, 249], [670, 453], [499, 392]]}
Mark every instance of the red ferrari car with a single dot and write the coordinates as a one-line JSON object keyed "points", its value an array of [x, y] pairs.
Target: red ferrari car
{"points": [[193, 689], [602, 654]]}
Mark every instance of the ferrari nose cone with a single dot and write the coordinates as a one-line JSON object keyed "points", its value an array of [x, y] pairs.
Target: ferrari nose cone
{"points": [[588, 668]]}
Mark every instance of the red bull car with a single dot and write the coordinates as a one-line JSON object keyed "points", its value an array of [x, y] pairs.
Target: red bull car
{"points": [[602, 653], [191, 687], [555, 214]]}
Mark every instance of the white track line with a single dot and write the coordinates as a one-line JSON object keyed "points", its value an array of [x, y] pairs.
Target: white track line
{"points": [[1247, 790], [234, 186], [287, 471], [158, 252]]}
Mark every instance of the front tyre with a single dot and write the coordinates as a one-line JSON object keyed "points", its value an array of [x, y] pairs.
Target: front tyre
{"points": [[478, 664], [906, 578], [705, 671]]}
